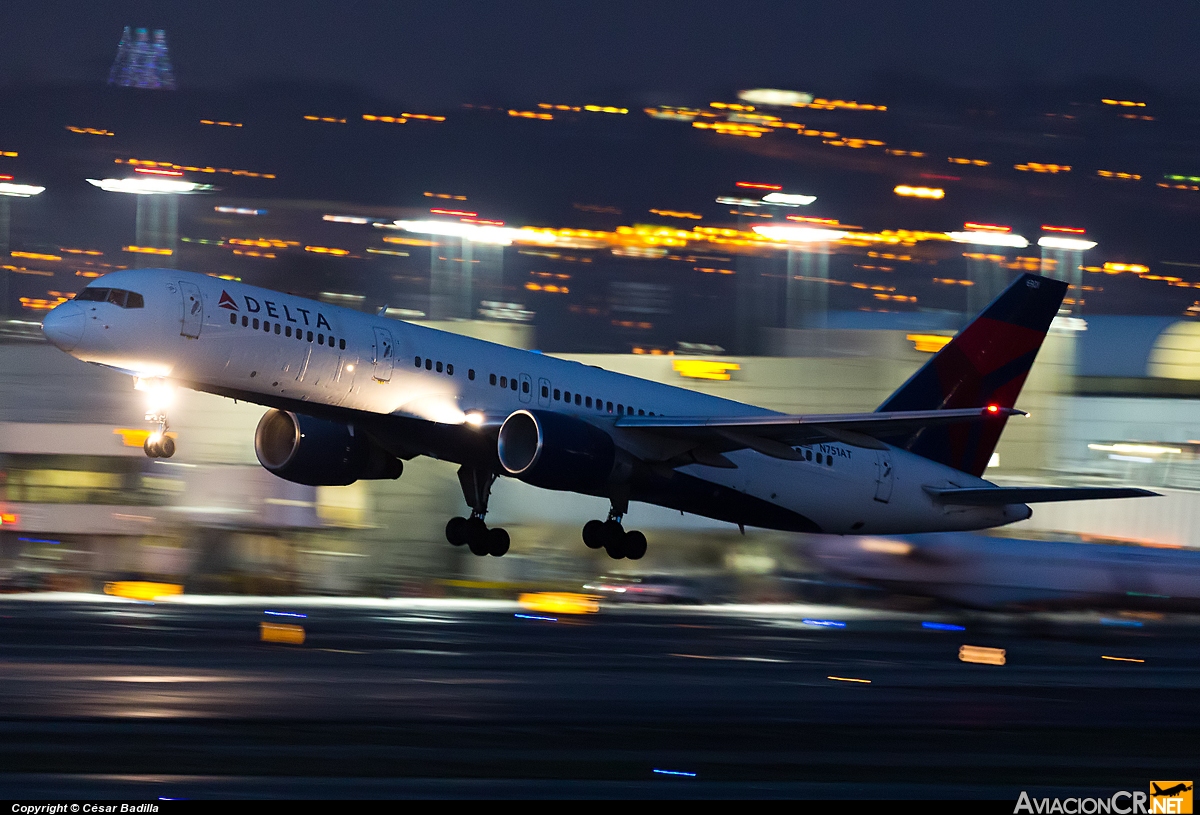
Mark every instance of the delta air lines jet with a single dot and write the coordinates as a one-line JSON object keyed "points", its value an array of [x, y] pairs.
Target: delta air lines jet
{"points": [[352, 396]]}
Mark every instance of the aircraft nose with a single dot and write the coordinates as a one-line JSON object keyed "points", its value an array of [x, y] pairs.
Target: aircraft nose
{"points": [[63, 326]]}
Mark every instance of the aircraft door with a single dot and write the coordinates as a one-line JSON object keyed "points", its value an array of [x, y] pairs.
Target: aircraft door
{"points": [[526, 392], [883, 476], [192, 315], [544, 392], [384, 355]]}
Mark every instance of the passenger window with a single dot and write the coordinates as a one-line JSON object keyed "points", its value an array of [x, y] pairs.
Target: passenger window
{"points": [[309, 335], [276, 328], [439, 367], [828, 461], [492, 379], [641, 412], [449, 369], [557, 394], [819, 461], [429, 364], [545, 392], [471, 374], [341, 345], [610, 407], [134, 300], [512, 384], [621, 410], [504, 381], [245, 321], [589, 401], [577, 400], [808, 455], [287, 331], [267, 326], [417, 361], [320, 339], [232, 318], [255, 323]]}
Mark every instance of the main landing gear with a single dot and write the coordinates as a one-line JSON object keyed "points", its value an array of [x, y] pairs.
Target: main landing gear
{"points": [[612, 537], [472, 531]]}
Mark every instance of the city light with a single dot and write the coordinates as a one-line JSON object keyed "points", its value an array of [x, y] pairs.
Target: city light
{"points": [[784, 199], [753, 185], [919, 192], [1070, 244], [20, 190], [148, 186], [345, 219], [497, 235], [800, 234], [983, 238], [239, 211]]}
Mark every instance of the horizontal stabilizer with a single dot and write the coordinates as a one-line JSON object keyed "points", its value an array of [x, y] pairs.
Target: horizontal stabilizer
{"points": [[999, 496]]}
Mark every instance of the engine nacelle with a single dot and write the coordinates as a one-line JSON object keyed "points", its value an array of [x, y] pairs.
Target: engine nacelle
{"points": [[558, 452], [319, 452]]}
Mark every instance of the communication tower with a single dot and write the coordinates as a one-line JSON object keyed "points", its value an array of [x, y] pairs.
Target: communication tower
{"points": [[142, 61]]}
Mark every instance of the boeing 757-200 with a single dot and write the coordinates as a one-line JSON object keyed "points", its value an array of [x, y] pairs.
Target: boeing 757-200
{"points": [[351, 396]]}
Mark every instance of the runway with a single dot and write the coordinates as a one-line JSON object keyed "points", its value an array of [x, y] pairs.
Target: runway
{"points": [[486, 699]]}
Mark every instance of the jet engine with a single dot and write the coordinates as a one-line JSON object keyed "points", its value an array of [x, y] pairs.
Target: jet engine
{"points": [[319, 452], [559, 452]]}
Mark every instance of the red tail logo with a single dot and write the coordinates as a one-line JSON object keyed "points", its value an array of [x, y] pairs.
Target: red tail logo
{"points": [[226, 301]]}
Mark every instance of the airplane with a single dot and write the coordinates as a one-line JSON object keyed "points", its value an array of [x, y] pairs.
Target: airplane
{"points": [[1170, 792], [352, 396]]}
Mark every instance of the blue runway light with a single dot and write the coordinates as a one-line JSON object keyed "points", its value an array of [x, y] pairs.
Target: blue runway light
{"points": [[943, 626], [535, 617], [1121, 623], [675, 772], [40, 540], [285, 614], [826, 623]]}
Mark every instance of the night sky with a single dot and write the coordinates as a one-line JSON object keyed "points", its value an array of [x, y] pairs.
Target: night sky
{"points": [[444, 52]]}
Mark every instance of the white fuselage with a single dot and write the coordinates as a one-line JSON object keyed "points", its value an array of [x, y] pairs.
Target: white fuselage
{"points": [[227, 337]]}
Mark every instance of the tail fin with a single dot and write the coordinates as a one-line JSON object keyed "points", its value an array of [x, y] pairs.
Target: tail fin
{"points": [[985, 364]]}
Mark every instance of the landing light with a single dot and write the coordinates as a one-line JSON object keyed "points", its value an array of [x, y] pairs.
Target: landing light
{"points": [[474, 418]]}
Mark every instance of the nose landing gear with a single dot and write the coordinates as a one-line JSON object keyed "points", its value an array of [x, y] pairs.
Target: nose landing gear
{"points": [[473, 532], [158, 444]]}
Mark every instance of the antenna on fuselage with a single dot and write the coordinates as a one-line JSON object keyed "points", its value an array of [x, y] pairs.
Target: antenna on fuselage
{"points": [[382, 311]]}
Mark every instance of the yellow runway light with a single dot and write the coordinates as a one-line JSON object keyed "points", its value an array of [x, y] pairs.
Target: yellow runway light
{"points": [[981, 655], [849, 679], [142, 589], [551, 602], [281, 632], [1122, 659], [929, 343]]}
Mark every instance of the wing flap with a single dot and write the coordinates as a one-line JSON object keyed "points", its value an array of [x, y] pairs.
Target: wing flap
{"points": [[999, 496]]}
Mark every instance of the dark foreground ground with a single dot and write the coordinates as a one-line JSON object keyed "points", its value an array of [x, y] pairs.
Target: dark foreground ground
{"points": [[109, 698]]}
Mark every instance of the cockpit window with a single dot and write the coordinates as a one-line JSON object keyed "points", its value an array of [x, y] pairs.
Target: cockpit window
{"points": [[118, 297]]}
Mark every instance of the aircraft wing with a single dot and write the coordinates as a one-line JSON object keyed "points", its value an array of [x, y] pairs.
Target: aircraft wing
{"points": [[998, 496], [774, 435]]}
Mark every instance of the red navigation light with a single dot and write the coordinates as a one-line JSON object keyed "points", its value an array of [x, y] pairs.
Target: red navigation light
{"points": [[459, 212], [152, 171], [1072, 229], [6, 178], [986, 227], [750, 185], [993, 409]]}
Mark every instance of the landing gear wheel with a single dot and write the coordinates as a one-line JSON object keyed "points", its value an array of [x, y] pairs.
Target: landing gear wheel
{"points": [[456, 531], [150, 448], [635, 545], [497, 541], [166, 447], [614, 539], [593, 534], [477, 536]]}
